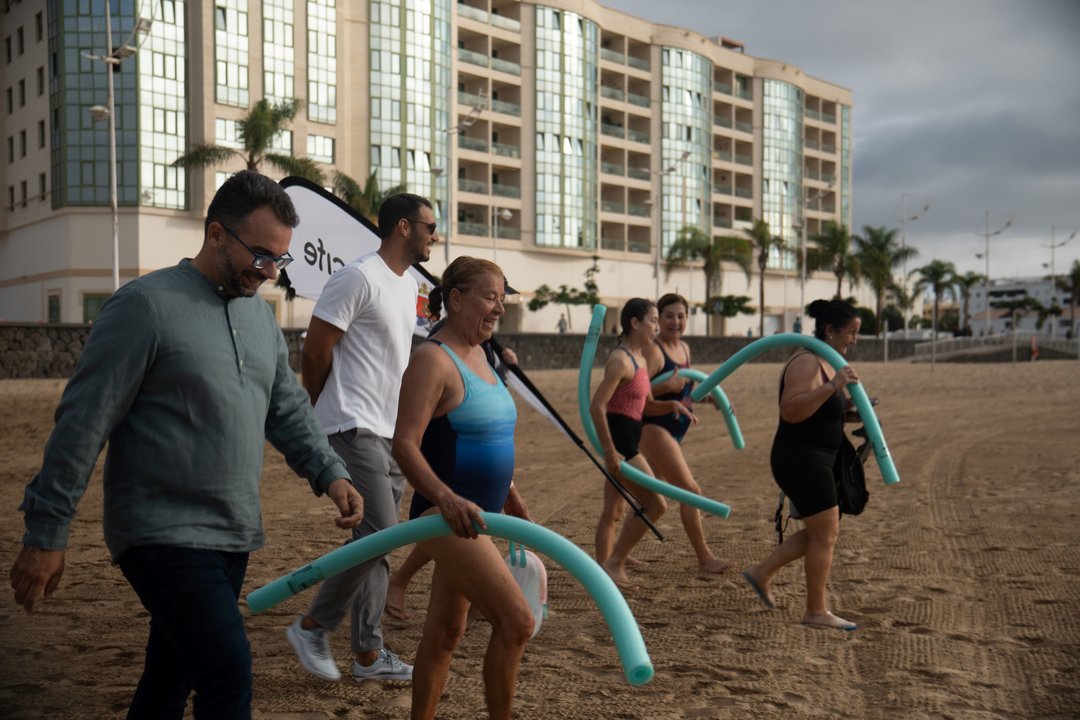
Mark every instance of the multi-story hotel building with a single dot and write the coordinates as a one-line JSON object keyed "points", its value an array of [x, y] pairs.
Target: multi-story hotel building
{"points": [[546, 133]]}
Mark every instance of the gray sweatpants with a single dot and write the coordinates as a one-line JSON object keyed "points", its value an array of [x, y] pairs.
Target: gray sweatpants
{"points": [[363, 588]]}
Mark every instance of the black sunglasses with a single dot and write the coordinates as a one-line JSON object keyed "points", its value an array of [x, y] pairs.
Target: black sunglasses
{"points": [[261, 261], [430, 226]]}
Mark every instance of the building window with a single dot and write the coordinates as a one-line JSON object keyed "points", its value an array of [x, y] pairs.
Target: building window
{"points": [[39, 27], [11, 149], [278, 52], [320, 148], [22, 191], [41, 133], [162, 134], [42, 181], [10, 101], [231, 52], [22, 93], [22, 143], [7, 49], [11, 197], [227, 133], [54, 306], [19, 39], [322, 61], [41, 81], [91, 305]]}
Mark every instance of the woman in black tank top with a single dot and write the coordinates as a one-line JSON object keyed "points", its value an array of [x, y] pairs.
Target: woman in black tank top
{"points": [[803, 453]]}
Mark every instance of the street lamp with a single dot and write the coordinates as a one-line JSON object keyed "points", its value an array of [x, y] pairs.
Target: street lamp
{"points": [[1054, 246], [987, 235], [496, 215], [904, 220], [802, 239], [464, 124], [116, 55]]}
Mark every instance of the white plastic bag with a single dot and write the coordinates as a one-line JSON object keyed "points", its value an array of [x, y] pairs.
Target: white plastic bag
{"points": [[531, 576]]}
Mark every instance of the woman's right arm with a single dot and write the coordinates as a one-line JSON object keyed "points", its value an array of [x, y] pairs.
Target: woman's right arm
{"points": [[804, 390], [423, 394], [614, 372]]}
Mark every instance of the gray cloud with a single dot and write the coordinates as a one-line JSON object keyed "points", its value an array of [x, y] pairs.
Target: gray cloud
{"points": [[972, 103]]}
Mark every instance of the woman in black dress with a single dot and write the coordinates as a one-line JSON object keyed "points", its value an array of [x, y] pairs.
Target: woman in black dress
{"points": [[804, 450]]}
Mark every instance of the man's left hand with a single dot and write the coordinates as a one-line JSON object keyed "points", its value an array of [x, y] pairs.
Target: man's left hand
{"points": [[349, 503]]}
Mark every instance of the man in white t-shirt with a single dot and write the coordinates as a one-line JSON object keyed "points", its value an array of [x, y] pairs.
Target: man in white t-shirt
{"points": [[357, 347]]}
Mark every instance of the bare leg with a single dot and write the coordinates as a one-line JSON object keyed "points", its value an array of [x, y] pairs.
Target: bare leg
{"points": [[793, 548], [633, 529], [471, 571], [399, 583], [822, 530], [614, 507], [665, 455]]}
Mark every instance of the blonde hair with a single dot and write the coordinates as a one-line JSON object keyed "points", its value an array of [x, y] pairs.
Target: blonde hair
{"points": [[460, 275]]}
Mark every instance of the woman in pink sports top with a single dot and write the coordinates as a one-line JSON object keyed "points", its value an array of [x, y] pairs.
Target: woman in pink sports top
{"points": [[617, 407]]}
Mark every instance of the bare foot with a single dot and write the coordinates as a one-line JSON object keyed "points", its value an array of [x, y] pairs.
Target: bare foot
{"points": [[395, 602], [713, 564], [760, 587], [634, 562], [829, 620], [617, 574]]}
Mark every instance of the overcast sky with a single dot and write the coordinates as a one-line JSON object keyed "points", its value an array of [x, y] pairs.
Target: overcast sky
{"points": [[972, 105]]}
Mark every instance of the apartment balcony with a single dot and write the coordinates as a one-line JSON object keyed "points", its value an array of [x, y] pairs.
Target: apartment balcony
{"points": [[506, 23], [470, 143], [828, 147], [744, 192], [472, 57], [509, 191], [472, 186], [471, 228], [468, 11], [610, 243], [499, 21], [613, 206], [721, 222], [639, 63], [639, 246], [638, 210], [506, 108], [506, 150], [831, 119], [612, 169], [724, 155], [722, 189], [722, 121], [612, 130], [812, 114], [615, 57], [638, 136], [510, 68], [612, 93], [639, 100], [812, 144], [746, 94], [744, 127], [743, 159], [471, 99], [638, 173]]}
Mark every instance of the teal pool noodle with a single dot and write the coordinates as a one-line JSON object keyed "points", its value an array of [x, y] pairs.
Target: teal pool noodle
{"points": [[823, 350], [721, 399], [624, 629], [588, 354]]}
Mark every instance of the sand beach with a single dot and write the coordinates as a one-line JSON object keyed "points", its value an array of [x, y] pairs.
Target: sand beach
{"points": [[964, 578]]}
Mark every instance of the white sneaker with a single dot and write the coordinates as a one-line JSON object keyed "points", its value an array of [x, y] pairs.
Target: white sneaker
{"points": [[387, 666], [313, 650]]}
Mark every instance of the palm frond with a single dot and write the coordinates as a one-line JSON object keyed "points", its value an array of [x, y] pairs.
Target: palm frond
{"points": [[200, 156]]}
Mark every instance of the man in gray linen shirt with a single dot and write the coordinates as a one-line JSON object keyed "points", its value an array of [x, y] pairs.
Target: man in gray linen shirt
{"points": [[186, 374]]}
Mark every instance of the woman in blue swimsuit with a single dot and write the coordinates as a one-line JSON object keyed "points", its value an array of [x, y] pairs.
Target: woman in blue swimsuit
{"points": [[661, 435], [454, 441]]}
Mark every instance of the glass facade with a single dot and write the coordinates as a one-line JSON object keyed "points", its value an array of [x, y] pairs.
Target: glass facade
{"points": [[79, 145], [320, 148], [686, 116], [782, 166], [567, 98], [162, 129], [410, 95], [845, 165], [278, 64], [231, 52], [322, 61]]}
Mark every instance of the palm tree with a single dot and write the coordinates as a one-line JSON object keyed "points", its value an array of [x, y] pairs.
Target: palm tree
{"points": [[1070, 283], [940, 278], [257, 131], [728, 306], [833, 253], [879, 255], [964, 283], [762, 241], [693, 244], [904, 302], [368, 200]]}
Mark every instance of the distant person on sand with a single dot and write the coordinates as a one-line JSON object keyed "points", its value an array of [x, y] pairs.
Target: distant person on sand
{"points": [[661, 435], [561, 325], [804, 451], [454, 440], [187, 376], [621, 399]]}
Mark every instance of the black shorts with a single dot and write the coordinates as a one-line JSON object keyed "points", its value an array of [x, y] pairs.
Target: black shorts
{"points": [[805, 474], [625, 433]]}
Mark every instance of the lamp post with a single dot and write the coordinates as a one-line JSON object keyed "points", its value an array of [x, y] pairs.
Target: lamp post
{"points": [[986, 254], [1054, 246], [496, 214], [115, 56], [904, 220], [802, 241], [464, 124]]}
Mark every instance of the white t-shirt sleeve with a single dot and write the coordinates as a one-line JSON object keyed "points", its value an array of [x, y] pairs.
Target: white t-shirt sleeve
{"points": [[345, 294]]}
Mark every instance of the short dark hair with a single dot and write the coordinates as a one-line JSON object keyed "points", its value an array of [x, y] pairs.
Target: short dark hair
{"points": [[837, 313], [671, 299], [634, 309], [244, 193], [395, 208]]}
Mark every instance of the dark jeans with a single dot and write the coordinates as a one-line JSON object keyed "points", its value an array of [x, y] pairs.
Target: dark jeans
{"points": [[197, 639]]}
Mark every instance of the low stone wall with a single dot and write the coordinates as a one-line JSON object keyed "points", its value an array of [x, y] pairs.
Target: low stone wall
{"points": [[50, 351]]}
